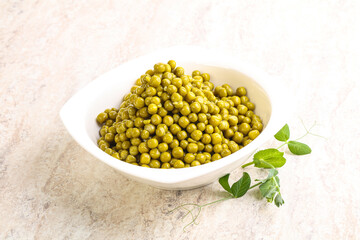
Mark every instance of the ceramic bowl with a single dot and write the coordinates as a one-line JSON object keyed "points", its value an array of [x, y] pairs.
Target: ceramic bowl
{"points": [[79, 113]]}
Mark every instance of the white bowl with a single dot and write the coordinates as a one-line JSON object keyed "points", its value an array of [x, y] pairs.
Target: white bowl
{"points": [[79, 113]]}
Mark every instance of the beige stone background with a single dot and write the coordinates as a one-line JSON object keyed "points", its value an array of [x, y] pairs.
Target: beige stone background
{"points": [[51, 188]]}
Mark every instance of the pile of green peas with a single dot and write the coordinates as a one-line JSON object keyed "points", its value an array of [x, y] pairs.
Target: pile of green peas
{"points": [[173, 120]]}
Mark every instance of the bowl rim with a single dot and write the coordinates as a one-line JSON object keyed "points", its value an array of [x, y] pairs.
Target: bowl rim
{"points": [[172, 176]]}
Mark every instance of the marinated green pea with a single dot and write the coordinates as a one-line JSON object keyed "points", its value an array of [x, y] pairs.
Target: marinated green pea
{"points": [[130, 159], [189, 158], [257, 126], [145, 134], [250, 105], [135, 133], [155, 100], [168, 105], [174, 144], [208, 148], [104, 130], [246, 142], [156, 119], [165, 165], [195, 107], [163, 147], [222, 92], [196, 135], [155, 81], [160, 132], [205, 76], [244, 99], [179, 71], [201, 158], [214, 121], [201, 126], [116, 155], [102, 117], [215, 157], [176, 97], [209, 129], [179, 164], [135, 141], [122, 137], [165, 157], [241, 91], [152, 143], [172, 64], [143, 148], [184, 121], [133, 150], [253, 134], [195, 163], [246, 120], [190, 96], [233, 147], [195, 73], [184, 144], [229, 133], [185, 110], [145, 158], [154, 153], [109, 122], [150, 128], [192, 148], [224, 125], [192, 117], [168, 138], [178, 152], [109, 151], [191, 127], [201, 146], [152, 108], [159, 67], [109, 137], [174, 129], [181, 135], [218, 148], [216, 138], [168, 121], [155, 164]]}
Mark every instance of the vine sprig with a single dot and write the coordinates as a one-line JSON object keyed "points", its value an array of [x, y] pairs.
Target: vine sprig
{"points": [[269, 159]]}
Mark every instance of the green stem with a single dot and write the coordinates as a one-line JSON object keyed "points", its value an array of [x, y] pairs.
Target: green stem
{"points": [[282, 145], [247, 164], [220, 200], [255, 185]]}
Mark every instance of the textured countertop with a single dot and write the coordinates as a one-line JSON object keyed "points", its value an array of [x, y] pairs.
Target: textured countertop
{"points": [[51, 188]]}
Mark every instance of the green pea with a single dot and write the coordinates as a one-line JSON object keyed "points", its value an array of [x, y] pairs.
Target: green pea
{"points": [[102, 117]]}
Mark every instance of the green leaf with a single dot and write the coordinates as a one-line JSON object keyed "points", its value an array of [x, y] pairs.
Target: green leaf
{"points": [[277, 180], [299, 148], [239, 188], [224, 182], [279, 200], [268, 190], [283, 134], [272, 173], [269, 158]]}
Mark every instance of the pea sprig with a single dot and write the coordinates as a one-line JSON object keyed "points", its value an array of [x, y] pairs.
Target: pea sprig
{"points": [[269, 159]]}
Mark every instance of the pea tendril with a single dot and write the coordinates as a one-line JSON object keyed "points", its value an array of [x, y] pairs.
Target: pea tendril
{"points": [[269, 159]]}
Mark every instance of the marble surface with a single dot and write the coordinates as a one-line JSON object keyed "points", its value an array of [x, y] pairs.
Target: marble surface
{"points": [[52, 189]]}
